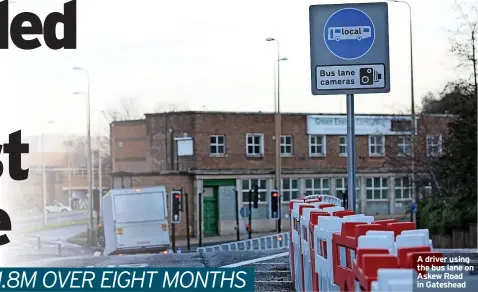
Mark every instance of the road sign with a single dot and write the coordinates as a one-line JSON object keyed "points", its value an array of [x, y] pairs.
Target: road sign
{"points": [[349, 33], [244, 212], [349, 48]]}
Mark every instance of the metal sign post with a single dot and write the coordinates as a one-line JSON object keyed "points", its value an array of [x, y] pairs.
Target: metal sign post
{"points": [[349, 54], [351, 152]]}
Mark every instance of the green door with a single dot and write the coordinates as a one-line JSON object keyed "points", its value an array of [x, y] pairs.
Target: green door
{"points": [[210, 211]]}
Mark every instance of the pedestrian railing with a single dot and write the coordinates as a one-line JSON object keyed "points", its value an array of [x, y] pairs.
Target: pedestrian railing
{"points": [[270, 242]]}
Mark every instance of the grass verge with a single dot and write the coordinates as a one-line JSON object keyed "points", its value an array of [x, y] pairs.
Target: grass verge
{"points": [[51, 226]]}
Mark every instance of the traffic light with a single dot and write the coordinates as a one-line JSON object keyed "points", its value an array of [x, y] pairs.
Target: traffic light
{"points": [[96, 200], [275, 204], [256, 197], [176, 207]]}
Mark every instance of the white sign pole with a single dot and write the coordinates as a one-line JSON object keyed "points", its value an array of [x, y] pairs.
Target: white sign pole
{"points": [[351, 151]]}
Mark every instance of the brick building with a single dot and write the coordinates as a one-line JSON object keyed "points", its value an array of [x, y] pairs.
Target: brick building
{"points": [[217, 153]]}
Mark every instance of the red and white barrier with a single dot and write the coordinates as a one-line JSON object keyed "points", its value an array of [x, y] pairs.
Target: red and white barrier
{"points": [[333, 249], [296, 239], [291, 241]]}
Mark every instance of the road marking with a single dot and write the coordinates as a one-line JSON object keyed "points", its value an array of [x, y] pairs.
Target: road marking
{"points": [[127, 266], [271, 263], [253, 261], [273, 281]]}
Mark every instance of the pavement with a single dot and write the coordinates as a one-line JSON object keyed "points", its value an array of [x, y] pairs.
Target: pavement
{"points": [[271, 268], [52, 218]]}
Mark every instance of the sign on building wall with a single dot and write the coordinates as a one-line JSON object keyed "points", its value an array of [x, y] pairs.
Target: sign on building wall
{"points": [[185, 146], [364, 125]]}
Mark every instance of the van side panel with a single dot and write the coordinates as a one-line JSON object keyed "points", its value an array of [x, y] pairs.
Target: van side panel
{"points": [[108, 224]]}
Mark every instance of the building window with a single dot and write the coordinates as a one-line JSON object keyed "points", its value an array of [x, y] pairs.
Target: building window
{"points": [[317, 186], [403, 188], [434, 145], [405, 145], [290, 189], [286, 145], [341, 184], [248, 184], [343, 146], [255, 144], [217, 144], [316, 145], [377, 188], [376, 145]]}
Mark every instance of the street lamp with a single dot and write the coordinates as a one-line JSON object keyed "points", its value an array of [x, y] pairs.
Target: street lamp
{"points": [[43, 174], [88, 160], [277, 121], [412, 97]]}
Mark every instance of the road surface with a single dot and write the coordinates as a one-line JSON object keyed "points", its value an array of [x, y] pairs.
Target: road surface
{"points": [[269, 275], [24, 249]]}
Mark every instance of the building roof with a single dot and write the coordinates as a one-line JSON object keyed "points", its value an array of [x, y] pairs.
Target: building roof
{"points": [[149, 115], [282, 113]]}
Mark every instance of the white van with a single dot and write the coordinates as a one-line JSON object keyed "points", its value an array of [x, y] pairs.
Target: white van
{"points": [[135, 220]]}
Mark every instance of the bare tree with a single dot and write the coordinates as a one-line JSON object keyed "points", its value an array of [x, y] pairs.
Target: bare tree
{"points": [[399, 155], [464, 39], [127, 109], [171, 107]]}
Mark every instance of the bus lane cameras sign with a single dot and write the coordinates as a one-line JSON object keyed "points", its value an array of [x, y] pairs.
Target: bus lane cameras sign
{"points": [[349, 48]]}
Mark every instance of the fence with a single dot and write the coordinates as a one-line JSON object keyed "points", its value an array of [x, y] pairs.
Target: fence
{"points": [[458, 239], [270, 242]]}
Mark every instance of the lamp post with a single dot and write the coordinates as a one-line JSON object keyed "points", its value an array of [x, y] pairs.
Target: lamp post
{"points": [[412, 100], [278, 126], [88, 160], [43, 176], [277, 122]]}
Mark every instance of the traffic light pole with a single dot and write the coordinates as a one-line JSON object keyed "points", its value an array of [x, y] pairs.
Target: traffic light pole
{"points": [[188, 235], [280, 215], [200, 218], [238, 232], [250, 214], [173, 237]]}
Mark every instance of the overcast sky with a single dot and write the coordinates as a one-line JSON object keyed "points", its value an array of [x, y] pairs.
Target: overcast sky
{"points": [[209, 55]]}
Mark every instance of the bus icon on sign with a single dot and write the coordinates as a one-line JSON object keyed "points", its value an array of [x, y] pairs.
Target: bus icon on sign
{"points": [[349, 33]]}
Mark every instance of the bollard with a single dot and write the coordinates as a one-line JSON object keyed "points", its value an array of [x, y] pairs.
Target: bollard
{"points": [[38, 242], [59, 249]]}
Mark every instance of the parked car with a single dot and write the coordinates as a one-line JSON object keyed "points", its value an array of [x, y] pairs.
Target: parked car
{"points": [[57, 208]]}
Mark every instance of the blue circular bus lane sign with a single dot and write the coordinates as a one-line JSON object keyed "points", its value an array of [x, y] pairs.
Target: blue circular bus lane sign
{"points": [[349, 48], [349, 33]]}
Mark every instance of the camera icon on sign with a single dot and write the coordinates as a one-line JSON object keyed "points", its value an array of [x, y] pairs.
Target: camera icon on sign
{"points": [[368, 76]]}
